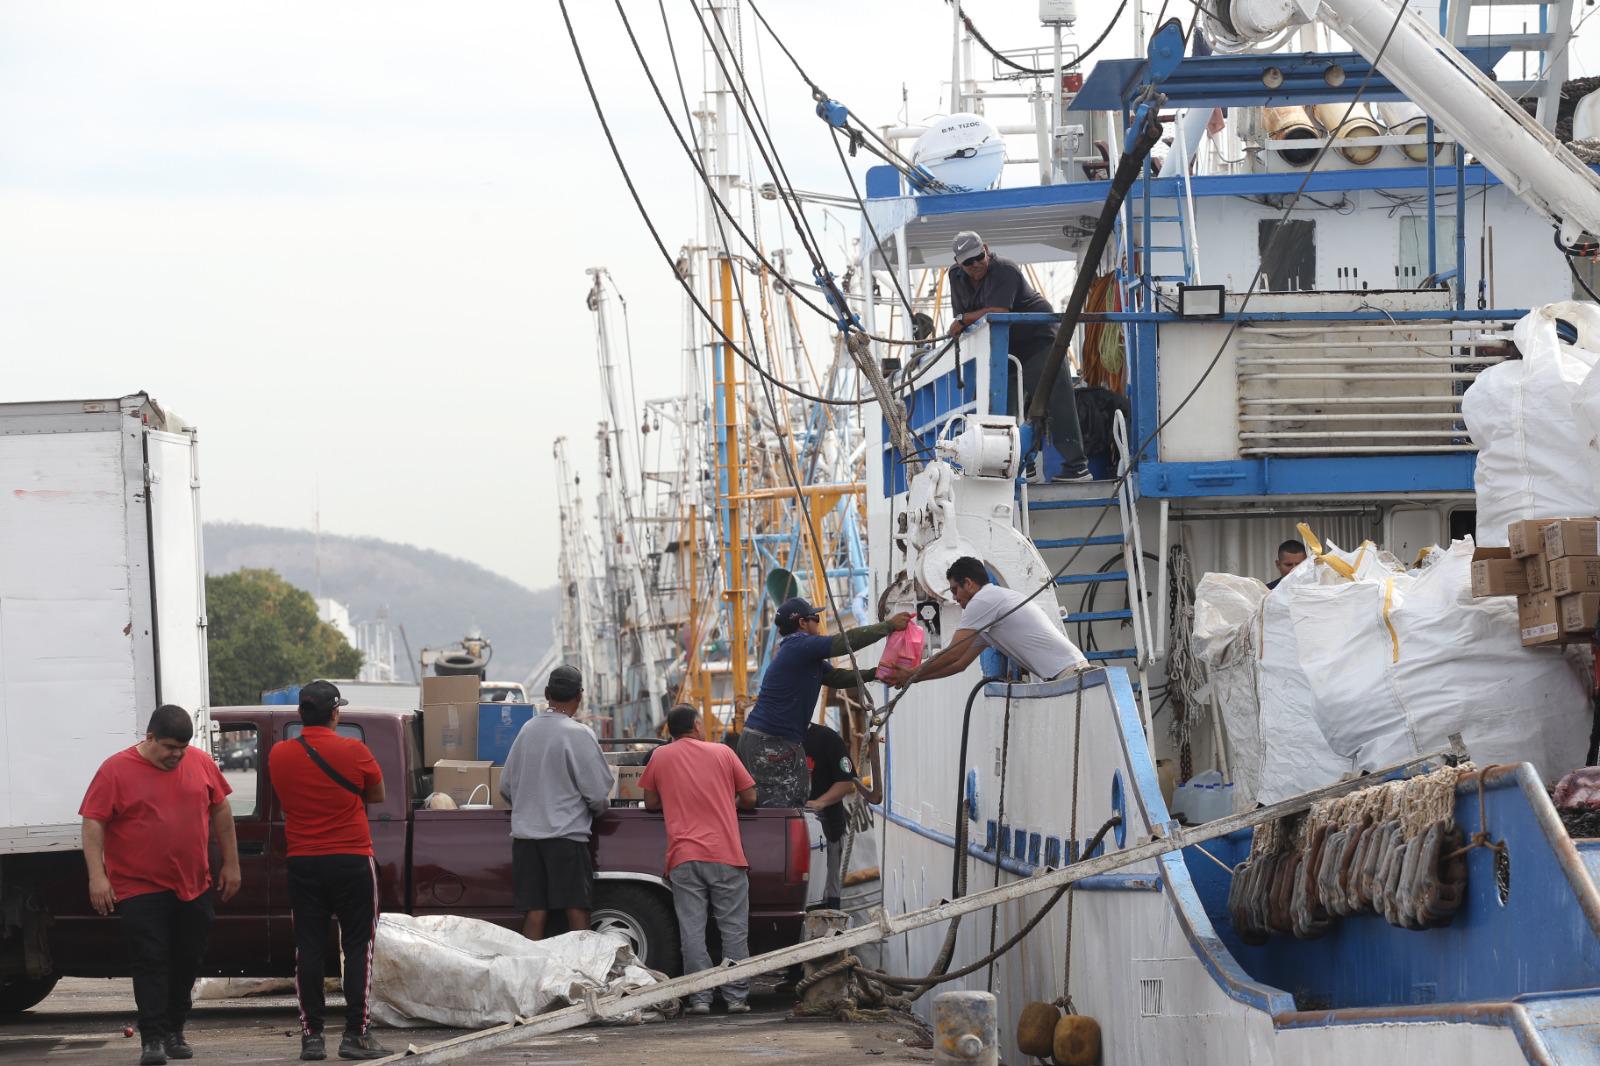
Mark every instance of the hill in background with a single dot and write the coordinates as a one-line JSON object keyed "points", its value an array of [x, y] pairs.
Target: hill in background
{"points": [[436, 597]]}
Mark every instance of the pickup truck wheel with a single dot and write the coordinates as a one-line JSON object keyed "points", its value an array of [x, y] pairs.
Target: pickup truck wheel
{"points": [[644, 918], [17, 994]]}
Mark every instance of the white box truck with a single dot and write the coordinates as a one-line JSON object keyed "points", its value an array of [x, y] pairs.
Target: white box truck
{"points": [[102, 604]]}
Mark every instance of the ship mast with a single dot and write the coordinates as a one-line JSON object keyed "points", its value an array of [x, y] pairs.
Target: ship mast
{"points": [[574, 572], [719, 164], [637, 636]]}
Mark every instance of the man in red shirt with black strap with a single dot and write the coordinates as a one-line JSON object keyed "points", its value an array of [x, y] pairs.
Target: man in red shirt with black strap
{"points": [[323, 782], [147, 817], [696, 786]]}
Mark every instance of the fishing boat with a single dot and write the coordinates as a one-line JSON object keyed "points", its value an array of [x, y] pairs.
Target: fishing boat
{"points": [[1276, 380], [1297, 236]]}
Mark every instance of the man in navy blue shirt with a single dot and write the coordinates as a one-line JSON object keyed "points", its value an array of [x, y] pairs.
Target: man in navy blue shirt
{"points": [[772, 746]]}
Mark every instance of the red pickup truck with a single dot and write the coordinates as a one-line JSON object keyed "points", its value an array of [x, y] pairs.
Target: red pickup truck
{"points": [[429, 862]]}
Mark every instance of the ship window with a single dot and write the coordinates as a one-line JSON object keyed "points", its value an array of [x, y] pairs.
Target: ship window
{"points": [[1288, 264], [1413, 266]]}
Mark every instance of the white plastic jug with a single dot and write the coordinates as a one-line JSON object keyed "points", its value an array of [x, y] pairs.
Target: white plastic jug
{"points": [[1203, 798]]}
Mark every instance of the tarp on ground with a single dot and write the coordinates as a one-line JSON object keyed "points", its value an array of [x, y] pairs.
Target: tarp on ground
{"points": [[442, 969]]}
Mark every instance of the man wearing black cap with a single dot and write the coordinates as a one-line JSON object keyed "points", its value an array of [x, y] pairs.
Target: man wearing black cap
{"points": [[557, 782], [324, 781], [772, 746], [982, 282]]}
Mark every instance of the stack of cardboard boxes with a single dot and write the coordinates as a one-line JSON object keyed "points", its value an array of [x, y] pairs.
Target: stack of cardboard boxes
{"points": [[465, 743], [450, 725], [1552, 566]]}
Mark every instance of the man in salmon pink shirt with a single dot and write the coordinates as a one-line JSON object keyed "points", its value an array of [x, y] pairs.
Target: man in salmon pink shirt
{"points": [[324, 782], [696, 785], [147, 818]]}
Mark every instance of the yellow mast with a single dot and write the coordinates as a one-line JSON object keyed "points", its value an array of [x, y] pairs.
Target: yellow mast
{"points": [[732, 532]]}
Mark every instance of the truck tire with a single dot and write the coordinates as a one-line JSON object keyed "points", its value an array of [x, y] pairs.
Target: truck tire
{"points": [[17, 994], [645, 918]]}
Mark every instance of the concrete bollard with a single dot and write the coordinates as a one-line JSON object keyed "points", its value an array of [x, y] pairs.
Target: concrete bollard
{"points": [[965, 1029], [825, 995]]}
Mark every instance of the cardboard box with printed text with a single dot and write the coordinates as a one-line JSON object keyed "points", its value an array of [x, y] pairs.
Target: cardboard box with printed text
{"points": [[1575, 573], [1571, 536], [1496, 573]]}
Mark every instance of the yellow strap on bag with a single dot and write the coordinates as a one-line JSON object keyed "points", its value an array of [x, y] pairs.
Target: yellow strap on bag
{"points": [[1314, 546], [1388, 602]]}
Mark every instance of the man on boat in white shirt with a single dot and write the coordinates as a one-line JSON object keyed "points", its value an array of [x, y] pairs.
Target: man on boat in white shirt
{"points": [[1002, 619]]}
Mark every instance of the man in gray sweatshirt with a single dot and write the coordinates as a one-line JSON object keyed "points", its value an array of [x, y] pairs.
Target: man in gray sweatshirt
{"points": [[557, 783]]}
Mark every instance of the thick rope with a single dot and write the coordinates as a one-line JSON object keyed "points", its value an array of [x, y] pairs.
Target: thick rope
{"points": [[1481, 838]]}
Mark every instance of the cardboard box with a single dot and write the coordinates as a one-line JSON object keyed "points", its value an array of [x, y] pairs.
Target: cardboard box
{"points": [[1537, 573], [455, 690], [626, 786], [1539, 618], [498, 726], [1526, 537], [498, 800], [449, 731], [1575, 573], [1496, 573], [1579, 613], [459, 778], [1571, 536]]}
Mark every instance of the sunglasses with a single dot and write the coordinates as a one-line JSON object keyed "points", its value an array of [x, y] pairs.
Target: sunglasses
{"points": [[974, 261]]}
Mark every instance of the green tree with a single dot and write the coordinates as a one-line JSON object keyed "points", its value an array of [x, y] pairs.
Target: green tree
{"points": [[264, 633]]}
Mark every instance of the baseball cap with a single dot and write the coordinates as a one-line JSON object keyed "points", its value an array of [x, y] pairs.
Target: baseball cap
{"points": [[967, 244], [795, 608], [566, 683], [322, 696]]}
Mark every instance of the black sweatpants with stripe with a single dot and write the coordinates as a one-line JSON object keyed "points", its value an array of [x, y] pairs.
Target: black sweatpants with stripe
{"points": [[321, 888]]}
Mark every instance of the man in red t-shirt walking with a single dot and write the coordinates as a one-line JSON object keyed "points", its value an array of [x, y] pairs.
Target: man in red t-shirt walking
{"points": [[695, 786], [146, 820], [323, 782]]}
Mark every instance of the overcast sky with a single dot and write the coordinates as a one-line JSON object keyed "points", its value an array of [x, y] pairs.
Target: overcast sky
{"points": [[348, 239]]}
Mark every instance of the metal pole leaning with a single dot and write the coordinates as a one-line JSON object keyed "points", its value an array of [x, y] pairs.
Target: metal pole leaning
{"points": [[599, 1008]]}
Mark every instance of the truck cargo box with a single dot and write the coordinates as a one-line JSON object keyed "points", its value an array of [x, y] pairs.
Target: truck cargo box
{"points": [[102, 599]]}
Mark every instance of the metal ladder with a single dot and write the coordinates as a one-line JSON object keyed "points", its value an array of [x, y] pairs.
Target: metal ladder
{"points": [[1179, 215], [1132, 576], [1550, 43]]}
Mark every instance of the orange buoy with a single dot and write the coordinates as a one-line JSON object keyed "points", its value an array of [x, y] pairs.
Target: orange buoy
{"points": [[1036, 1029], [1076, 1041]]}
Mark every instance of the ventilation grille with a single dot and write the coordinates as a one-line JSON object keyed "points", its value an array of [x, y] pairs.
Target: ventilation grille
{"points": [[1149, 996]]}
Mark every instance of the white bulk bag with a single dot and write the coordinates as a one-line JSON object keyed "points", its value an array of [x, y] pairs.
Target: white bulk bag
{"points": [[1226, 608], [1294, 755], [442, 969], [1399, 660], [1537, 454]]}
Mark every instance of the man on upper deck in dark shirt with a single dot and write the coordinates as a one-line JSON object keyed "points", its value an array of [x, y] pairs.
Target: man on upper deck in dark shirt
{"points": [[982, 282]]}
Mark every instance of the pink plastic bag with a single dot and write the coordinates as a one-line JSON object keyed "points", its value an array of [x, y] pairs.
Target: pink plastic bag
{"points": [[903, 650]]}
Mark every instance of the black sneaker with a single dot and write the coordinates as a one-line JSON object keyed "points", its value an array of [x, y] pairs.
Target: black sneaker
{"points": [[361, 1046], [177, 1047], [1073, 476], [312, 1049], [154, 1054]]}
